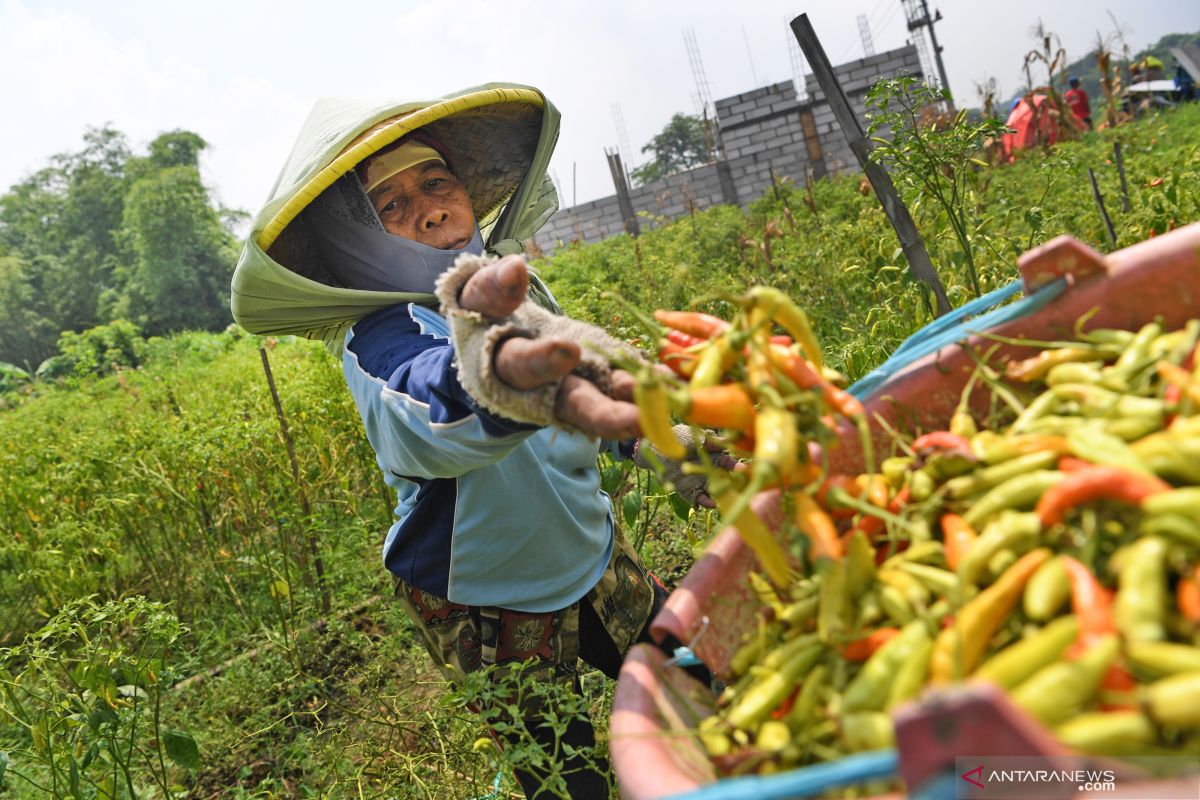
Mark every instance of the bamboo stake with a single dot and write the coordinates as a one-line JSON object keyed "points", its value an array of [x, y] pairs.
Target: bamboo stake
{"points": [[1112, 235]]}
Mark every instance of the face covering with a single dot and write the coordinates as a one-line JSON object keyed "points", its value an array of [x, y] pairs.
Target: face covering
{"points": [[362, 255]]}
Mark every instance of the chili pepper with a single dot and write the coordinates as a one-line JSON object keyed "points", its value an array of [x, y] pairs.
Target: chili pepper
{"points": [[870, 687], [846, 484], [921, 485], [1036, 367], [1059, 691], [784, 652], [833, 614], [801, 373], [750, 652], [925, 552], [867, 730], [860, 560], [1106, 336], [1042, 405], [1090, 602], [815, 524], [895, 470], [769, 691], [864, 648], [911, 675], [996, 474], [712, 362], [1100, 447], [941, 440], [958, 537], [913, 589], [1184, 501], [1175, 527], [802, 713], [1175, 700], [800, 613], [790, 317], [1086, 372], [1020, 492], [776, 445], [1133, 427], [1136, 353], [896, 605], [1072, 464], [1095, 401], [1048, 589], [1163, 658], [683, 339], [1085, 486], [770, 553], [873, 526], [1187, 595], [1107, 732], [773, 735], [1169, 456], [870, 613], [1020, 660], [1010, 531], [939, 581], [695, 323], [725, 406], [681, 361], [958, 648], [654, 417], [992, 448], [1141, 600]]}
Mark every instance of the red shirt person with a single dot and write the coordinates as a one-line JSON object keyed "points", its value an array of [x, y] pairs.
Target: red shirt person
{"points": [[1077, 99]]}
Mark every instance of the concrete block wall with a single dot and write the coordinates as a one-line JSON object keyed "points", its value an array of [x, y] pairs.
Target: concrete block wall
{"points": [[762, 135]]}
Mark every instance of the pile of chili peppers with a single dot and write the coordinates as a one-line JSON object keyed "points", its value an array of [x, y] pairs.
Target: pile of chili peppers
{"points": [[1051, 546]]}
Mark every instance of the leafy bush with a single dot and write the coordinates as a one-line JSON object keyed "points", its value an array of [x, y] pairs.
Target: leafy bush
{"points": [[96, 351]]}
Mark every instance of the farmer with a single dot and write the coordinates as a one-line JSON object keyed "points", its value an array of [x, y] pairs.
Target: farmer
{"points": [[504, 549], [1077, 100]]}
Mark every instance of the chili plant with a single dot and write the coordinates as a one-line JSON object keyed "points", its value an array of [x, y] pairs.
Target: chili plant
{"points": [[929, 151]]}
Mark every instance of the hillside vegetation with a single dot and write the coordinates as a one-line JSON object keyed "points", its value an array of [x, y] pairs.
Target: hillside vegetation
{"points": [[185, 616]]}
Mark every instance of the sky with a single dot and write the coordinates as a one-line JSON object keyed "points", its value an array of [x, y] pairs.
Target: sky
{"points": [[244, 74]]}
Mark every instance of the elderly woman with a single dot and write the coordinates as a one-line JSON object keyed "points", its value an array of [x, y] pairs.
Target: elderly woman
{"points": [[504, 547]]}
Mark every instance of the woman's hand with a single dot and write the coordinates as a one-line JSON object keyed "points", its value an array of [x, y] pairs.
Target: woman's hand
{"points": [[496, 291]]}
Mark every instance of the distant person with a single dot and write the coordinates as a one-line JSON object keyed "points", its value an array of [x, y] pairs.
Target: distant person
{"points": [[1185, 86], [1077, 100]]}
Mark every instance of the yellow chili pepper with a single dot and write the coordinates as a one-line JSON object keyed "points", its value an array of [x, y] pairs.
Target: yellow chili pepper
{"points": [[654, 416], [791, 317]]}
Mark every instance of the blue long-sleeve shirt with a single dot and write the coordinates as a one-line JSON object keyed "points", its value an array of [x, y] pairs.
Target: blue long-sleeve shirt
{"points": [[490, 512]]}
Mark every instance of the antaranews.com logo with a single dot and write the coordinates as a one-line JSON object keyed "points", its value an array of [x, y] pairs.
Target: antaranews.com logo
{"points": [[1027, 777]]}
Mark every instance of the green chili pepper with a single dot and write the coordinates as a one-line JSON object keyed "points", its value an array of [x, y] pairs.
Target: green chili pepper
{"points": [[749, 653], [1086, 372], [1141, 602], [928, 552], [860, 564], [895, 605], [940, 581], [996, 474], [912, 589], [1175, 527], [803, 711], [833, 615], [910, 677], [869, 689], [801, 612], [1101, 447], [867, 730], [1163, 658], [1107, 732], [1058, 692], [1042, 405], [773, 735], [921, 485], [772, 689], [1175, 700], [1178, 501], [1095, 401], [1020, 660], [895, 470], [1136, 354], [1047, 591], [1133, 428], [1012, 530], [869, 610], [1021, 492], [788, 650]]}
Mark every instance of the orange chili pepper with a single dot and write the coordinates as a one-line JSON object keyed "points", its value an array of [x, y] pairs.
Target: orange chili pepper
{"points": [[957, 536], [681, 361], [847, 485], [695, 323], [941, 440], [873, 526], [864, 648], [1187, 595], [683, 339], [814, 523], [725, 405], [1094, 483], [1073, 464], [1118, 681], [805, 376], [1092, 605]]}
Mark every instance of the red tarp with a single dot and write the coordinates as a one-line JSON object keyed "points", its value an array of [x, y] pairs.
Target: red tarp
{"points": [[1034, 122]]}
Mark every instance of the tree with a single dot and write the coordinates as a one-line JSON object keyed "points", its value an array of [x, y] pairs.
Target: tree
{"points": [[180, 256], [681, 145]]}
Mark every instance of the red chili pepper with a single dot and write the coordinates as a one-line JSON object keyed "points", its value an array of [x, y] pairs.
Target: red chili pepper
{"points": [[783, 339], [677, 357], [1092, 605], [684, 339], [941, 440], [1187, 595], [864, 648], [696, 323], [1118, 681], [1072, 464], [786, 705], [873, 526], [1094, 483], [847, 485], [805, 376]]}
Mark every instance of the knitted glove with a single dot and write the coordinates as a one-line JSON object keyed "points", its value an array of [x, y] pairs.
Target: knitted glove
{"points": [[692, 488], [476, 338]]}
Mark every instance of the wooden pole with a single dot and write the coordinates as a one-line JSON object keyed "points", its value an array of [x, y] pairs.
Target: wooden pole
{"points": [[628, 217], [1112, 235], [1121, 169], [897, 213]]}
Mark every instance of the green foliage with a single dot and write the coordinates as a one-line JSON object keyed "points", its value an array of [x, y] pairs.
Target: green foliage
{"points": [[934, 155], [104, 234], [680, 145], [96, 351], [82, 703]]}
